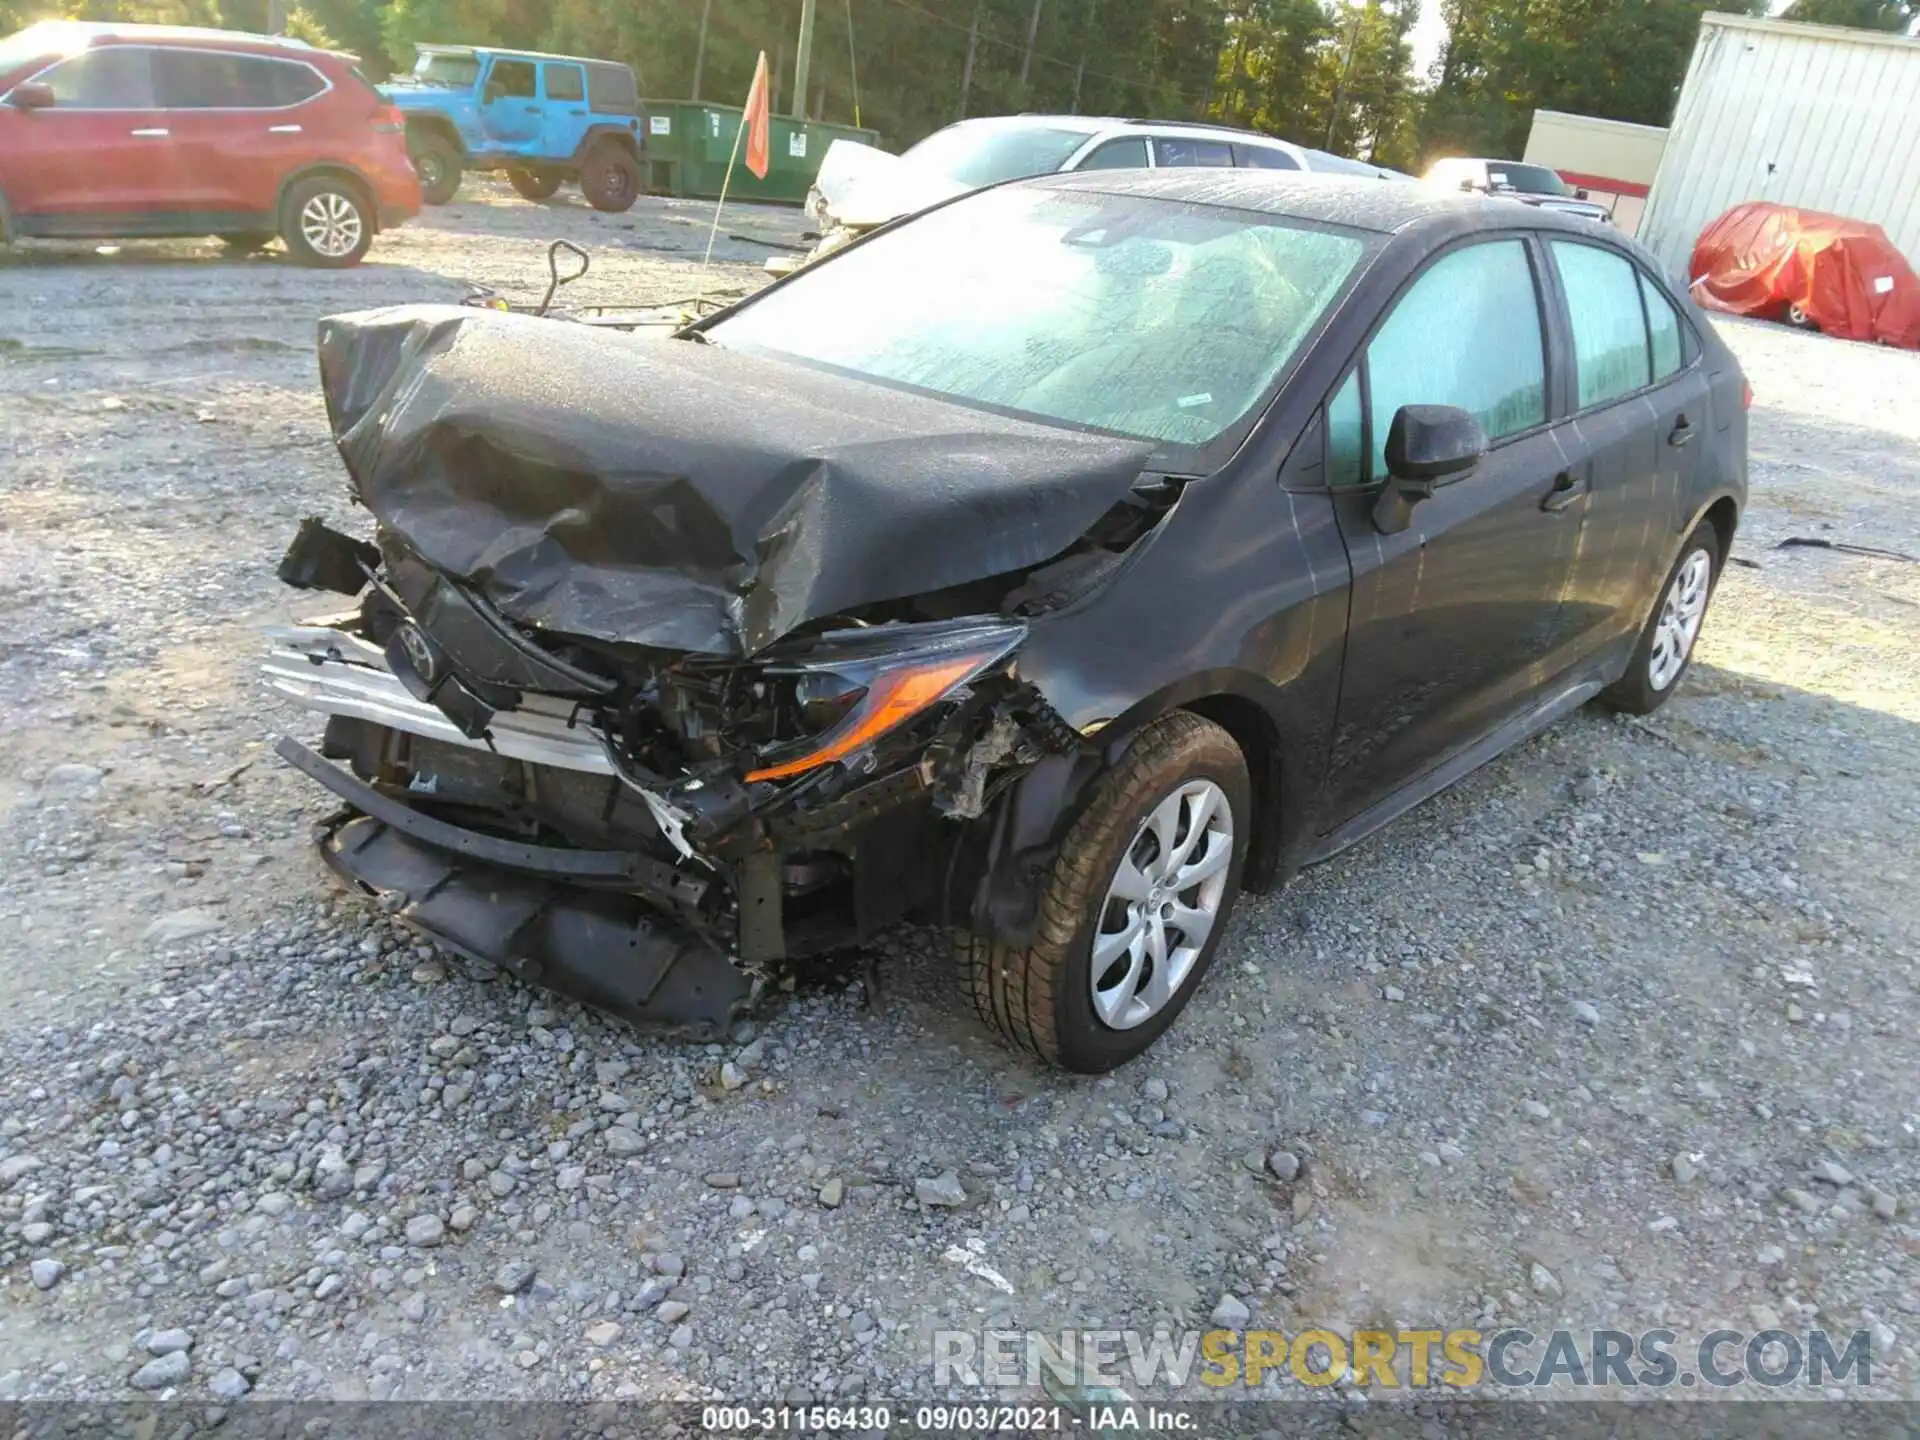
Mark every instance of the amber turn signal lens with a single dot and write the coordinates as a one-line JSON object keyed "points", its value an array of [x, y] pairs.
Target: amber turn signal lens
{"points": [[893, 698]]}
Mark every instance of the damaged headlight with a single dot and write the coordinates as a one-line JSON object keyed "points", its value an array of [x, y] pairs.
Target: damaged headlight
{"points": [[852, 687]]}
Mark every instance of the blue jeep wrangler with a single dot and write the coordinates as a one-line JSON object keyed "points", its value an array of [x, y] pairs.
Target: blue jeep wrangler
{"points": [[544, 119]]}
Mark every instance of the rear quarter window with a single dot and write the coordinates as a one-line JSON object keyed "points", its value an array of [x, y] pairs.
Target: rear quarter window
{"points": [[611, 90]]}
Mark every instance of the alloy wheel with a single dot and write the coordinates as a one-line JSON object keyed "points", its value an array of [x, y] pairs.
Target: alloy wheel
{"points": [[1161, 905], [331, 225], [1680, 616]]}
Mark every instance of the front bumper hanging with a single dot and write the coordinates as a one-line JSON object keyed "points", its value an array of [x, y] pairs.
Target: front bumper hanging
{"points": [[595, 925]]}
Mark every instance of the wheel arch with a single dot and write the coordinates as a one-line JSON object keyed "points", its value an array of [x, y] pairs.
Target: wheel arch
{"points": [[1723, 513], [334, 170], [1000, 863], [607, 134], [1257, 733], [440, 128]]}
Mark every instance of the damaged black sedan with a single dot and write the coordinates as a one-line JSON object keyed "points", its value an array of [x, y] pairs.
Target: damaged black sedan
{"points": [[1049, 568]]}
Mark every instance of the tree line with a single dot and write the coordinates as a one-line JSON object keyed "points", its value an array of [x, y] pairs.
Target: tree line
{"points": [[1332, 73]]}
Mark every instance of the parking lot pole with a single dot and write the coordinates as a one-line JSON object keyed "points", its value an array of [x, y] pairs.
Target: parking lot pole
{"points": [[803, 60]]}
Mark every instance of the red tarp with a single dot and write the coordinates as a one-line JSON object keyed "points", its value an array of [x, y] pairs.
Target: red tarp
{"points": [[1760, 259]]}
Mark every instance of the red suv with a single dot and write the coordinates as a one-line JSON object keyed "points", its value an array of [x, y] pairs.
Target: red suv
{"points": [[153, 130]]}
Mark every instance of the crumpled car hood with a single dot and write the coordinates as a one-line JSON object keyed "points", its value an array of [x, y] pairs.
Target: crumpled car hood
{"points": [[864, 187], [687, 496]]}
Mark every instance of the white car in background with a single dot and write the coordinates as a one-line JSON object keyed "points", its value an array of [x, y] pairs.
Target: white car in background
{"points": [[860, 188]]}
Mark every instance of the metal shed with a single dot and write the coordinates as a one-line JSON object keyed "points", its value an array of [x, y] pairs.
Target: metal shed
{"points": [[1807, 115]]}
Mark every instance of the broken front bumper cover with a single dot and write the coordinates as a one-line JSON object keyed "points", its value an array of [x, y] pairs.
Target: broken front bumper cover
{"points": [[595, 925]]}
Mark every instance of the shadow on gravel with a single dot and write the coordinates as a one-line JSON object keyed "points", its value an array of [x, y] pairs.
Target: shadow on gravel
{"points": [[193, 256]]}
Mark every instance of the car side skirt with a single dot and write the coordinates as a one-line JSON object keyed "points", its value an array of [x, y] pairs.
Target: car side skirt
{"points": [[1461, 764], [145, 224]]}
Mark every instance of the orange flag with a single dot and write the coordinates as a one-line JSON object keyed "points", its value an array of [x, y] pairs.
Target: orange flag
{"points": [[759, 120]]}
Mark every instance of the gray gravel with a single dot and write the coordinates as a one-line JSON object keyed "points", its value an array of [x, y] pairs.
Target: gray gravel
{"points": [[1619, 1032]]}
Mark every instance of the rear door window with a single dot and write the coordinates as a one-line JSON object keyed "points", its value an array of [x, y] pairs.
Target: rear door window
{"points": [[1127, 154], [566, 82], [109, 78], [1422, 354], [1263, 157], [1609, 325], [214, 80], [1181, 150]]}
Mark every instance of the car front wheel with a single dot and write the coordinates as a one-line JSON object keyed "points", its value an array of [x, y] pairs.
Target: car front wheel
{"points": [[1665, 649], [327, 222], [1134, 908]]}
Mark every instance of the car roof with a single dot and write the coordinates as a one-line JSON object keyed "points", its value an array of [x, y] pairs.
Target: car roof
{"points": [[73, 35], [1358, 202], [478, 50], [1100, 124]]}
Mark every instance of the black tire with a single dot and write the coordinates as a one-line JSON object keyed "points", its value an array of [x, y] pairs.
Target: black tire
{"points": [[250, 243], [437, 164], [610, 179], [310, 241], [1040, 998], [1636, 692], [1799, 319], [534, 184]]}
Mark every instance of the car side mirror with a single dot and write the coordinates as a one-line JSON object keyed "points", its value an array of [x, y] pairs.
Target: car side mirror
{"points": [[31, 96], [1468, 186], [1427, 446]]}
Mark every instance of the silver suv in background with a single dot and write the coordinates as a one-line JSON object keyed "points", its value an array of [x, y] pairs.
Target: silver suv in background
{"points": [[860, 188], [1534, 185]]}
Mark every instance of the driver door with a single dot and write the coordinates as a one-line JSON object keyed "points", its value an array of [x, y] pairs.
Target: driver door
{"points": [[510, 107], [1450, 619]]}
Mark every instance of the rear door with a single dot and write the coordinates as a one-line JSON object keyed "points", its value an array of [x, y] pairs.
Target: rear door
{"points": [[239, 125], [1636, 417], [1451, 618], [510, 106], [563, 117], [101, 150]]}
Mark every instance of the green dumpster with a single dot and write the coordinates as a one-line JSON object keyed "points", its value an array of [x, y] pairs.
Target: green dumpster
{"points": [[688, 142]]}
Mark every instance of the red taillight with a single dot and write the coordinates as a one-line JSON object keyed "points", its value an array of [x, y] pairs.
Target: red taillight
{"points": [[1746, 394], [387, 120]]}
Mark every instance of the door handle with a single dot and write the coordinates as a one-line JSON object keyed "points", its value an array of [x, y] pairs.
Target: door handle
{"points": [[283, 129], [1682, 432], [147, 133], [1567, 488]]}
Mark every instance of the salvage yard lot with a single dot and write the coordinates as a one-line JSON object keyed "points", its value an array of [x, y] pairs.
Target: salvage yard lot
{"points": [[1618, 1033]]}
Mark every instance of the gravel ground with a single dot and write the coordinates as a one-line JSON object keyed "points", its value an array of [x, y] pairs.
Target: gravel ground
{"points": [[1617, 1033]]}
